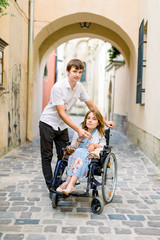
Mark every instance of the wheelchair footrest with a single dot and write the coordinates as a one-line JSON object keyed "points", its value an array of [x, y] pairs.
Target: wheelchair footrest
{"points": [[77, 194]]}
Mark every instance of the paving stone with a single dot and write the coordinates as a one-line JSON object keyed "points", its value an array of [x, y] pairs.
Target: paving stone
{"points": [[3, 209], [122, 231], [7, 215], [100, 216], [3, 194], [71, 230], [35, 209], [23, 203], [35, 237], [66, 209], [95, 223], [154, 218], [132, 224], [15, 194], [90, 237], [26, 221], [124, 211], [5, 221], [18, 209], [50, 228], [83, 209], [26, 211], [154, 224], [117, 217], [11, 228], [25, 215], [136, 217], [34, 199], [14, 237], [104, 230], [86, 230], [147, 231], [4, 203]]}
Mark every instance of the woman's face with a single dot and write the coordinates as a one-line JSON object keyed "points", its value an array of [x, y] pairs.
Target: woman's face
{"points": [[91, 121]]}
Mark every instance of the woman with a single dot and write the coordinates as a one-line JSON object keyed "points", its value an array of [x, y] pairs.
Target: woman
{"points": [[78, 162]]}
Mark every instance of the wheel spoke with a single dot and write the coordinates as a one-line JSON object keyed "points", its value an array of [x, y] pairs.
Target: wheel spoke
{"points": [[109, 177]]}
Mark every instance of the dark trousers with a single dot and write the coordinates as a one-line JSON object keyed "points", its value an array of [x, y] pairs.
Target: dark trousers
{"points": [[47, 136]]}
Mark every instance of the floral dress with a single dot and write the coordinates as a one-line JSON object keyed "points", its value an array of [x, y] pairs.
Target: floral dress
{"points": [[78, 162]]}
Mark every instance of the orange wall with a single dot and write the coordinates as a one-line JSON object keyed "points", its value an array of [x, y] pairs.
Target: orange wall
{"points": [[48, 82]]}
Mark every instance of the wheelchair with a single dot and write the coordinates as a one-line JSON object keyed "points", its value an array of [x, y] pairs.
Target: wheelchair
{"points": [[102, 173]]}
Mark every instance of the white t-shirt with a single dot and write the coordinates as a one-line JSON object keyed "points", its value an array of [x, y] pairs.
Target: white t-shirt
{"points": [[62, 94]]}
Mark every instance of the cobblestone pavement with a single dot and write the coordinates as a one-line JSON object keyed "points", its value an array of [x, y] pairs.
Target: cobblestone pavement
{"points": [[26, 211]]}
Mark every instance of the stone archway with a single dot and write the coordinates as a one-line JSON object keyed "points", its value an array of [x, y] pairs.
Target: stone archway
{"points": [[60, 31]]}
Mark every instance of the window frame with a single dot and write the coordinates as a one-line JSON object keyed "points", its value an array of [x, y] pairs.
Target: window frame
{"points": [[84, 74], [1, 74], [141, 64], [3, 44]]}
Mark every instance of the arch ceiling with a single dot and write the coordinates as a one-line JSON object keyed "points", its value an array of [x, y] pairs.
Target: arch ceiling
{"points": [[68, 27]]}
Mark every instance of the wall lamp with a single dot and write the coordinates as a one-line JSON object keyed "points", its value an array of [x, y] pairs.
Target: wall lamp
{"points": [[85, 25]]}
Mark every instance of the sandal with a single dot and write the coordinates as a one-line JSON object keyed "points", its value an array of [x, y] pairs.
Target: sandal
{"points": [[69, 189], [62, 187]]}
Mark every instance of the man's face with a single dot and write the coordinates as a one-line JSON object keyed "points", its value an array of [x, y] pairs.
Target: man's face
{"points": [[74, 74]]}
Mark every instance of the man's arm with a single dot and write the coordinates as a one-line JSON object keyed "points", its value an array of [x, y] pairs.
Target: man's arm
{"points": [[81, 132], [92, 106]]}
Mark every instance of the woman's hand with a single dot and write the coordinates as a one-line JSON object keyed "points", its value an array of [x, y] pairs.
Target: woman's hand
{"points": [[91, 147]]}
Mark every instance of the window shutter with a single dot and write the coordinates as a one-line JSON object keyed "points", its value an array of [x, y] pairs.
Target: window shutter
{"points": [[140, 90]]}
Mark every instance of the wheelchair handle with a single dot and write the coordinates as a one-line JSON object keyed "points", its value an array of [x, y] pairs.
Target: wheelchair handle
{"points": [[107, 136]]}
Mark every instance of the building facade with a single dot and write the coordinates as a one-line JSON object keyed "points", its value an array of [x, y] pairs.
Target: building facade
{"points": [[127, 25]]}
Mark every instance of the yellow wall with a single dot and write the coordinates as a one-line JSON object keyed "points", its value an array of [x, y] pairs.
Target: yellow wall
{"points": [[13, 97], [56, 22]]}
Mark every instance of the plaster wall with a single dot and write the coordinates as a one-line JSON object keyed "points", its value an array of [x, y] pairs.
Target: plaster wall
{"points": [[121, 87], [49, 79], [13, 97], [147, 116]]}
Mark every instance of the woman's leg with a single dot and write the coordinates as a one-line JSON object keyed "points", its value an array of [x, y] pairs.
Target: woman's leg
{"points": [[73, 181], [71, 186], [64, 185]]}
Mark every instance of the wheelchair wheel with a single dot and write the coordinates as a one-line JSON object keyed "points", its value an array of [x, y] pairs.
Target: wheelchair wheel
{"points": [[97, 205], [54, 200], [109, 177]]}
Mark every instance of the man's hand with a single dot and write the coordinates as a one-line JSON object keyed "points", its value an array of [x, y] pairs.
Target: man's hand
{"points": [[83, 133], [109, 124]]}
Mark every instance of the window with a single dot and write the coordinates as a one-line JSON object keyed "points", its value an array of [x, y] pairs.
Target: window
{"points": [[1, 67], [141, 63], [3, 44], [83, 77], [46, 70]]}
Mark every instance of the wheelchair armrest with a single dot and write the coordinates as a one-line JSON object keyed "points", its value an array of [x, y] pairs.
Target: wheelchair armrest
{"points": [[106, 149]]}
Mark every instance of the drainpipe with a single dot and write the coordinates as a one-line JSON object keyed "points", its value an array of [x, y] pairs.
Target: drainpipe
{"points": [[113, 99], [29, 64]]}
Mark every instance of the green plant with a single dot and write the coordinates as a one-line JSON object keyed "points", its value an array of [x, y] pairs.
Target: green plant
{"points": [[3, 6], [113, 53]]}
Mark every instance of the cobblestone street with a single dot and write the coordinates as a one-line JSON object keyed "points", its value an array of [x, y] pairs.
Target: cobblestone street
{"points": [[26, 212]]}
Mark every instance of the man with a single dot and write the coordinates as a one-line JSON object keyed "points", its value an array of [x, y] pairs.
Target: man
{"points": [[54, 118]]}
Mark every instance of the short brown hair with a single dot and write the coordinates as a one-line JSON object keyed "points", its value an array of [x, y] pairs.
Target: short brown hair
{"points": [[78, 64]]}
